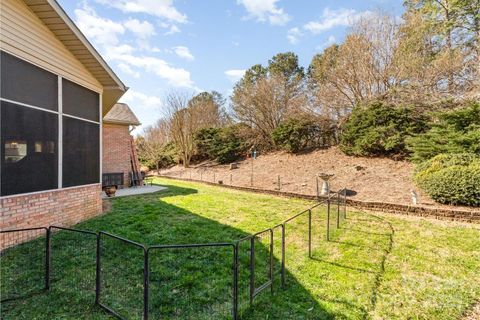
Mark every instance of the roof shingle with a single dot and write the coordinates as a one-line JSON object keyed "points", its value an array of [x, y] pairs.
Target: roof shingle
{"points": [[121, 114]]}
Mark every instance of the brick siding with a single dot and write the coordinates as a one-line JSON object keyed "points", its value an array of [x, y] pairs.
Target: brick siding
{"points": [[64, 207], [117, 150]]}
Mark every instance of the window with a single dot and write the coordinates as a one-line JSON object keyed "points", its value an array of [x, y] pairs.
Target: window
{"points": [[25, 167], [30, 115], [23, 82], [81, 152], [79, 101]]}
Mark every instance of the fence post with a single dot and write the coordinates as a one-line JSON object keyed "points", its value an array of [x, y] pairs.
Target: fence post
{"points": [[98, 270], [279, 184], [235, 281], [201, 175], [309, 233], [328, 218], [283, 255], [338, 210], [345, 203], [146, 274], [47, 259], [271, 260], [252, 269], [318, 191], [230, 179]]}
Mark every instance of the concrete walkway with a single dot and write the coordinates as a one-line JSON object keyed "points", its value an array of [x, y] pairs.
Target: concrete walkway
{"points": [[135, 191]]}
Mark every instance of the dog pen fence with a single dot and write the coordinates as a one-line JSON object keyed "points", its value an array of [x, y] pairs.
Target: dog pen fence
{"points": [[131, 280]]}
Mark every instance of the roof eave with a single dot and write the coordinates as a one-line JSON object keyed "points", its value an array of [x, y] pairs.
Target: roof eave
{"points": [[54, 4]]}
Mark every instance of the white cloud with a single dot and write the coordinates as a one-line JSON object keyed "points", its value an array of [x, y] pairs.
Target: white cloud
{"points": [[142, 29], [125, 68], [334, 18], [293, 35], [105, 34], [331, 40], [183, 52], [235, 74], [139, 99], [102, 31], [177, 77], [173, 29], [160, 8], [265, 10]]}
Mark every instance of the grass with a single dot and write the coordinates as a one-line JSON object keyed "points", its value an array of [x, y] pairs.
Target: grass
{"points": [[376, 266]]}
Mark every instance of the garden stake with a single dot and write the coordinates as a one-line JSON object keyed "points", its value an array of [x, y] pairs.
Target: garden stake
{"points": [[338, 210], [309, 233], [328, 219], [283, 255]]}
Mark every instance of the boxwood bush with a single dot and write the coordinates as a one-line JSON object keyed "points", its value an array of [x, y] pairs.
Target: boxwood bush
{"points": [[380, 130], [451, 178], [222, 144], [456, 131]]}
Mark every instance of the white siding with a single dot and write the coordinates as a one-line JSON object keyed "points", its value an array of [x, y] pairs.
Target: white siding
{"points": [[24, 35]]}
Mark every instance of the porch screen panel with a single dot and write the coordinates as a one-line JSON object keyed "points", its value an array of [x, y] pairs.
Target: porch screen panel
{"points": [[26, 83], [81, 152], [79, 101], [29, 150]]}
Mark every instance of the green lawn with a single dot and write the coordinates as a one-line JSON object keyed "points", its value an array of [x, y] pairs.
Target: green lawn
{"points": [[376, 266]]}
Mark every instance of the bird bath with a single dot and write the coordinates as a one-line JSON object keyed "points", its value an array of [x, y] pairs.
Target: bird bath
{"points": [[325, 186]]}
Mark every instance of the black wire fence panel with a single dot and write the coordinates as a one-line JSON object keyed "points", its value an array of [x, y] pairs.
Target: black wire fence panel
{"points": [[121, 277], [23, 267], [73, 262], [296, 242], [191, 282], [334, 215], [243, 276], [278, 271]]}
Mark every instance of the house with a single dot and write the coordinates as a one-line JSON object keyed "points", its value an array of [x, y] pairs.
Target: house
{"points": [[119, 152], [55, 90]]}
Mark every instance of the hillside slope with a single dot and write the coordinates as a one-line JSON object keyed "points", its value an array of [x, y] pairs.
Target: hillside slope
{"points": [[370, 179]]}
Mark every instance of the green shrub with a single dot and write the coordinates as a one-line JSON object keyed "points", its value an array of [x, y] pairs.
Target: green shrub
{"points": [[222, 144], [455, 131], [379, 130], [295, 135], [451, 178]]}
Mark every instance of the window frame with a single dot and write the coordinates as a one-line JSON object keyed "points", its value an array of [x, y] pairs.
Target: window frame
{"points": [[60, 115]]}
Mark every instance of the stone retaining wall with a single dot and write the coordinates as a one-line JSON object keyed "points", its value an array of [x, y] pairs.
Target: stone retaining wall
{"points": [[423, 211]]}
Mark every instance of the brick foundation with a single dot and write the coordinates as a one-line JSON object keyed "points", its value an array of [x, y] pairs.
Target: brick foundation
{"points": [[64, 207]]}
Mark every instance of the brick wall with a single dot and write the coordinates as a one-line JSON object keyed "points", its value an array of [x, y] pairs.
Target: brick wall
{"points": [[117, 150], [64, 207]]}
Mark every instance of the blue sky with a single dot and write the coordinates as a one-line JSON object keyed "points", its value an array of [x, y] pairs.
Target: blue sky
{"points": [[156, 46]]}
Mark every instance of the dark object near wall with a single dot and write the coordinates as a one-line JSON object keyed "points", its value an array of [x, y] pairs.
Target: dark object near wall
{"points": [[81, 152], [112, 179]]}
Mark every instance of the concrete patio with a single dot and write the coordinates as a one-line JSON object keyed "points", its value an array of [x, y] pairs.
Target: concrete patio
{"points": [[133, 191]]}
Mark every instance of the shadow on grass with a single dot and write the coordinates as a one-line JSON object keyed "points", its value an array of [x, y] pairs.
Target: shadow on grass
{"points": [[369, 251], [184, 283]]}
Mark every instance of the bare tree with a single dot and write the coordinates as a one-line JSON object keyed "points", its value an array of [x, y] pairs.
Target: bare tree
{"points": [[152, 142], [357, 71], [265, 97], [187, 114]]}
